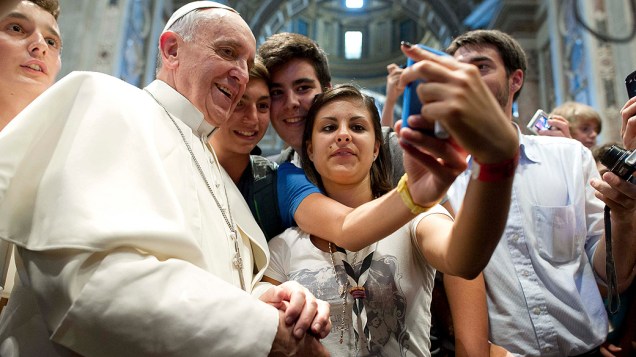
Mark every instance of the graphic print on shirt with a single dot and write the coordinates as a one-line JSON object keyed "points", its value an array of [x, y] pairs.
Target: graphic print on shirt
{"points": [[385, 301]]}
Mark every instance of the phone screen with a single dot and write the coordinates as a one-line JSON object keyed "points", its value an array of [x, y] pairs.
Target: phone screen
{"points": [[411, 103], [539, 122]]}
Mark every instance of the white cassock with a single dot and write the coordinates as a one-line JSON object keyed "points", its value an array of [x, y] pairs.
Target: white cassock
{"points": [[122, 249]]}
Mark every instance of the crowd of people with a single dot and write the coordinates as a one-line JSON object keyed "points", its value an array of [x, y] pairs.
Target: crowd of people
{"points": [[144, 224]]}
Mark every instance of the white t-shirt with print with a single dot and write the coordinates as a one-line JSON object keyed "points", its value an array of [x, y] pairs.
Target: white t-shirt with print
{"points": [[398, 289]]}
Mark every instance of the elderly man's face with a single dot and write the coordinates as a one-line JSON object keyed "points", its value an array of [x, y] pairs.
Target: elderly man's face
{"points": [[30, 45], [213, 68]]}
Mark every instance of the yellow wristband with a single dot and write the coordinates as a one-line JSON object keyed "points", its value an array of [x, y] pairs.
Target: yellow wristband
{"points": [[405, 194]]}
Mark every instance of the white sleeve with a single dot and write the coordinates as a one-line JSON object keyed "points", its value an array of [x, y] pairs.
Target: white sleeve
{"points": [[437, 209]]}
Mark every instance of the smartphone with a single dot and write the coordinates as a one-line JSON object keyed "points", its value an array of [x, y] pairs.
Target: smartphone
{"points": [[411, 103], [538, 122], [630, 84]]}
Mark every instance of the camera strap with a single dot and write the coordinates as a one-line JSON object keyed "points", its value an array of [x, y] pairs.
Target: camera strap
{"points": [[613, 299]]}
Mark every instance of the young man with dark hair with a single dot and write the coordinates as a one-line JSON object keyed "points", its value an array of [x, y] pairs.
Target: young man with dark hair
{"points": [[299, 70], [31, 47], [234, 142], [541, 281]]}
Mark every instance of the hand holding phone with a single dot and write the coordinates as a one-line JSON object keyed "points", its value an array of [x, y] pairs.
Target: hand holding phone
{"points": [[411, 103], [538, 122], [628, 129]]}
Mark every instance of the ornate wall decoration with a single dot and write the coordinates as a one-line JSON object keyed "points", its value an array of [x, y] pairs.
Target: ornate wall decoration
{"points": [[133, 60]]}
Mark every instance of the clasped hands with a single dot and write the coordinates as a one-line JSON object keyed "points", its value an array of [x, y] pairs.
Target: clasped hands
{"points": [[303, 320]]}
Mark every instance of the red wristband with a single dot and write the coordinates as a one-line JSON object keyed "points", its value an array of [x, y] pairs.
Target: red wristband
{"points": [[495, 172]]}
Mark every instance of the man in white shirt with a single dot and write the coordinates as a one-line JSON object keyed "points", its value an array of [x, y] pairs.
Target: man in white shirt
{"points": [[541, 281], [131, 239]]}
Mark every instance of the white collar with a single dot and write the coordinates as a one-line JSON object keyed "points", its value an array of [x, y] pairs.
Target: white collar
{"points": [[180, 107]]}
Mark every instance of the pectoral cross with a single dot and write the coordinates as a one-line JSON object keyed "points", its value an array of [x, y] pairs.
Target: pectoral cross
{"points": [[237, 261]]}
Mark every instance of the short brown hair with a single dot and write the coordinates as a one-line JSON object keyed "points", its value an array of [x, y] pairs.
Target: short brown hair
{"points": [[380, 169], [281, 48], [51, 6], [576, 112], [513, 56], [259, 71]]}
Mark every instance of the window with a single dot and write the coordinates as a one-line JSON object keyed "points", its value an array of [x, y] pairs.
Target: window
{"points": [[354, 4], [353, 45]]}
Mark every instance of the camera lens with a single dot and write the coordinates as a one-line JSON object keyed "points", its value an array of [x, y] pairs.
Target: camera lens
{"points": [[615, 159]]}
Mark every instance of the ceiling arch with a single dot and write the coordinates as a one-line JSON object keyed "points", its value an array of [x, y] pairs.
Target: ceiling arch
{"points": [[383, 23]]}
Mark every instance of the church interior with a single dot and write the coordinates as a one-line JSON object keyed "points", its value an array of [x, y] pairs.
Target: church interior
{"points": [[577, 50], [143, 194]]}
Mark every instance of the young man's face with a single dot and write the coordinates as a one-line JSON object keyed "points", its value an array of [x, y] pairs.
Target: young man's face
{"points": [[248, 123], [30, 45], [492, 70], [293, 88]]}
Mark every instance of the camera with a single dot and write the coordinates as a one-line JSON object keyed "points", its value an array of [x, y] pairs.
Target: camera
{"points": [[621, 162], [411, 103], [538, 122]]}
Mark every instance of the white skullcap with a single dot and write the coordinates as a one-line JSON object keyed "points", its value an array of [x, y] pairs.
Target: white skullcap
{"points": [[187, 8]]}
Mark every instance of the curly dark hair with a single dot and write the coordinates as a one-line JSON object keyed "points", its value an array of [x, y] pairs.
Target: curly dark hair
{"points": [[258, 70], [380, 169]]}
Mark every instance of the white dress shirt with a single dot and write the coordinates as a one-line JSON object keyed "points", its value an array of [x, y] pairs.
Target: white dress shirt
{"points": [[543, 298]]}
